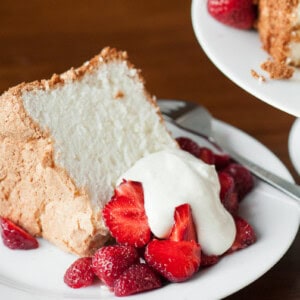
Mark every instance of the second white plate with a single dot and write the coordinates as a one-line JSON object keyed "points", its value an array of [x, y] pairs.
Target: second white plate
{"points": [[294, 145], [235, 52]]}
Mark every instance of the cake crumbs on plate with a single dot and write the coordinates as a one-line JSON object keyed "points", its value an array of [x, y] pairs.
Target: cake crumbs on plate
{"points": [[278, 70], [255, 75]]}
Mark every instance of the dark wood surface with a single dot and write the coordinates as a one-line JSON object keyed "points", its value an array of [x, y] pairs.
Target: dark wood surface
{"points": [[38, 38]]}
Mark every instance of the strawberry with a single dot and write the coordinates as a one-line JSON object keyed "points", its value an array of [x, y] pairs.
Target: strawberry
{"points": [[243, 179], [109, 262], [80, 273], [240, 14], [176, 261], [189, 145], [137, 278], [183, 228], [14, 237], [208, 260], [207, 155], [228, 195], [125, 215], [245, 235], [222, 161]]}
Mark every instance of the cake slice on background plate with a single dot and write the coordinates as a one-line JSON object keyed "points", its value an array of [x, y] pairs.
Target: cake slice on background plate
{"points": [[279, 29], [64, 142]]}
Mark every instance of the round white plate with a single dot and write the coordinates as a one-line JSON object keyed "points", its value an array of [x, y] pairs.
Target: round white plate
{"points": [[236, 52], [38, 274], [294, 145]]}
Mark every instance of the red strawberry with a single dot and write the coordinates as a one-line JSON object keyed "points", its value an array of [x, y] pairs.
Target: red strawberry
{"points": [[137, 278], [245, 235], [228, 195], [188, 145], [109, 262], [183, 228], [208, 260], [14, 237], [236, 13], [125, 215], [222, 161], [243, 179], [80, 273], [176, 261], [207, 155]]}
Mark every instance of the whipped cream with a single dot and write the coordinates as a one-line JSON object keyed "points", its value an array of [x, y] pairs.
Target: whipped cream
{"points": [[174, 177]]}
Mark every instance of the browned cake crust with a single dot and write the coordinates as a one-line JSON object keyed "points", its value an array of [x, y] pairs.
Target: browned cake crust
{"points": [[36, 193]]}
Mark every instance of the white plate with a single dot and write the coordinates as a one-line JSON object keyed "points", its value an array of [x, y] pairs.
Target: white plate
{"points": [[38, 274], [235, 52], [294, 145]]}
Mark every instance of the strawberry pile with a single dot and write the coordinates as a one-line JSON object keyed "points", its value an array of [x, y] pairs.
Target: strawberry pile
{"points": [[240, 14], [139, 261]]}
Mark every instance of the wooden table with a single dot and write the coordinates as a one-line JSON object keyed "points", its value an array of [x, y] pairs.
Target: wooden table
{"points": [[39, 38]]}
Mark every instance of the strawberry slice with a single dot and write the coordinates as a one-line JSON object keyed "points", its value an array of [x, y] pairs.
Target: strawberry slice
{"points": [[125, 215], [183, 228], [176, 261], [136, 279], [14, 237], [245, 235]]}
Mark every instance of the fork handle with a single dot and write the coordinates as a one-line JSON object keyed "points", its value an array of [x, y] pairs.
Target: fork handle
{"points": [[291, 189]]}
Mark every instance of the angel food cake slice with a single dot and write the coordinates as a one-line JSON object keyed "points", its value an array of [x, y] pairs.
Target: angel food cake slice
{"points": [[279, 29], [64, 142]]}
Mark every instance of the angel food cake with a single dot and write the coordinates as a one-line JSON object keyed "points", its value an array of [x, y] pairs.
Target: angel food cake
{"points": [[64, 142], [279, 29]]}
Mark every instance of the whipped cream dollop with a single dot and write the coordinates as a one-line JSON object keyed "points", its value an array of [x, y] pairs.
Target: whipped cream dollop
{"points": [[174, 177]]}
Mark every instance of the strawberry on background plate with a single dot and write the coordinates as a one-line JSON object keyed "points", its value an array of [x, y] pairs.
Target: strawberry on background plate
{"points": [[240, 14]]}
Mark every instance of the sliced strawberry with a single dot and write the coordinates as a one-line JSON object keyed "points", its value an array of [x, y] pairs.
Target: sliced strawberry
{"points": [[208, 260], [236, 13], [109, 262], [14, 237], [137, 278], [222, 161], [125, 215], [189, 145], [183, 228], [207, 155], [176, 261], [243, 179], [228, 195], [245, 235], [80, 273]]}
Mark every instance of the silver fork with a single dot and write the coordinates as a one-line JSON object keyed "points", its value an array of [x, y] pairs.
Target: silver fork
{"points": [[196, 119]]}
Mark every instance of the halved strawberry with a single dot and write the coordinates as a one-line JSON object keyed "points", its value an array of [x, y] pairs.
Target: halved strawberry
{"points": [[125, 215], [208, 260], [228, 195], [14, 237], [109, 262], [207, 155], [245, 235], [189, 145], [137, 278], [243, 179], [183, 228], [176, 261]]}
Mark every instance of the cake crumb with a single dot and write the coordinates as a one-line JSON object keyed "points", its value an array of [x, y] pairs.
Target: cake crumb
{"points": [[119, 95], [278, 70], [255, 75]]}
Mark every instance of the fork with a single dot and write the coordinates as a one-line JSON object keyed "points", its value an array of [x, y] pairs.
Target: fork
{"points": [[197, 120]]}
